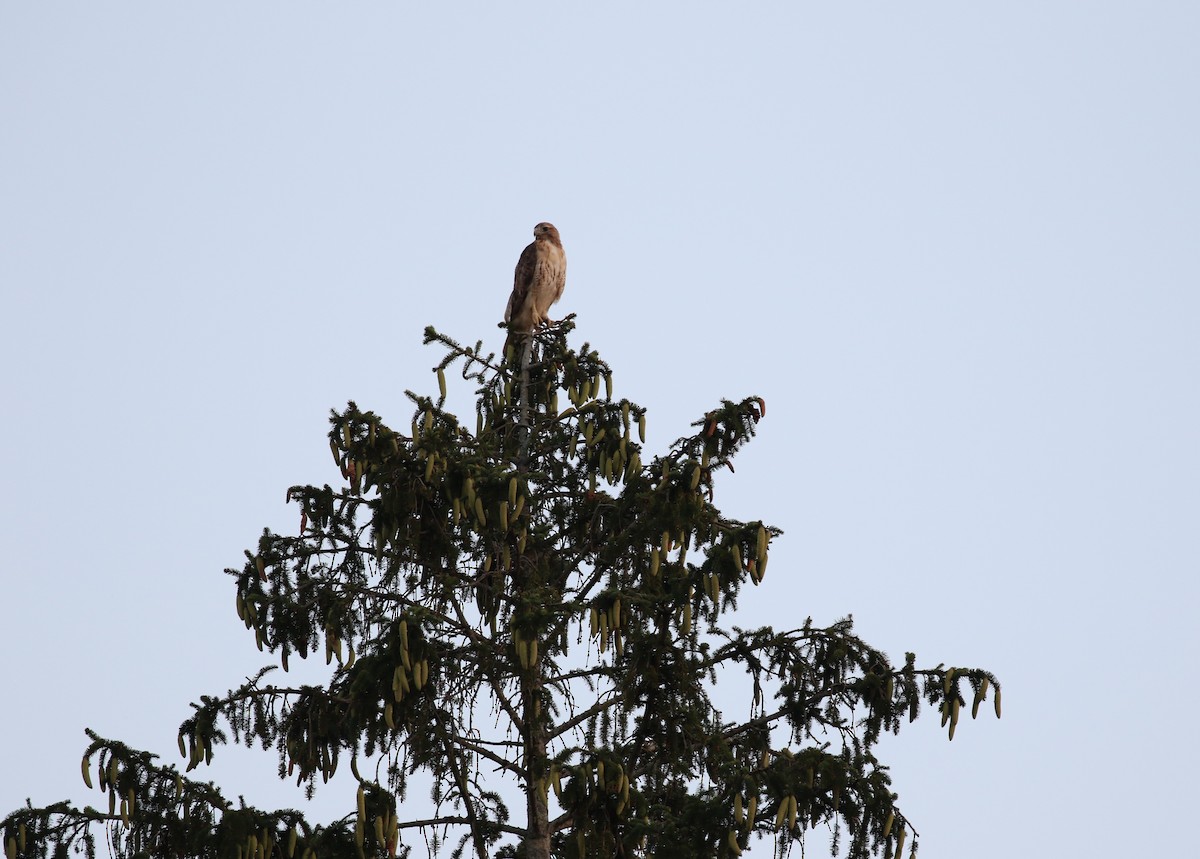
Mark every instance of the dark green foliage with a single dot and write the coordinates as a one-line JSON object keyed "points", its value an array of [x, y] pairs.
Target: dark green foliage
{"points": [[524, 598]]}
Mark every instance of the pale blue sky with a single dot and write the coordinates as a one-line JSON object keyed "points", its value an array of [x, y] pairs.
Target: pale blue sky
{"points": [[953, 245]]}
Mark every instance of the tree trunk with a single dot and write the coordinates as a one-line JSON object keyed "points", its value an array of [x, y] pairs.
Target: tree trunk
{"points": [[524, 424], [537, 839]]}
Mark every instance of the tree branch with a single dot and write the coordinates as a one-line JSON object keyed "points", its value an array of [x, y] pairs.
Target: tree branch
{"points": [[594, 710], [502, 762], [453, 821], [505, 703], [465, 795]]}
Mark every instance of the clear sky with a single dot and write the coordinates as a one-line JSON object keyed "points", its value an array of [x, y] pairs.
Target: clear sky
{"points": [[954, 246]]}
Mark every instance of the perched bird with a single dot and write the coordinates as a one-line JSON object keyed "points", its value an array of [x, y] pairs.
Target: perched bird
{"points": [[538, 280]]}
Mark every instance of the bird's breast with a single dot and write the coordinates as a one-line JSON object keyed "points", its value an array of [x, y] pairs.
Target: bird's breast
{"points": [[552, 267]]}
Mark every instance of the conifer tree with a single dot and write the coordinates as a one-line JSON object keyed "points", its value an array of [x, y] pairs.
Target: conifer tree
{"points": [[521, 604]]}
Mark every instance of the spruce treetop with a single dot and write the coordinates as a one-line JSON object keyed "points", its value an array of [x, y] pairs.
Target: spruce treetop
{"points": [[524, 603]]}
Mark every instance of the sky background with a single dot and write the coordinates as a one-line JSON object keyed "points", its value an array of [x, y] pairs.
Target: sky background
{"points": [[954, 247]]}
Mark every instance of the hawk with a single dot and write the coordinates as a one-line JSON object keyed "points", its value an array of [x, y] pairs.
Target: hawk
{"points": [[538, 281]]}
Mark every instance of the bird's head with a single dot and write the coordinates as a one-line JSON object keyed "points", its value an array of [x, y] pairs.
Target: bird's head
{"points": [[545, 230]]}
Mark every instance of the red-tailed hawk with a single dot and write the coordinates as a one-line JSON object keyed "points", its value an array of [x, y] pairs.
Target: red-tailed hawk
{"points": [[538, 281]]}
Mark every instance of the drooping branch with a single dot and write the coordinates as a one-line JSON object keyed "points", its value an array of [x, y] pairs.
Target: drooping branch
{"points": [[465, 796]]}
